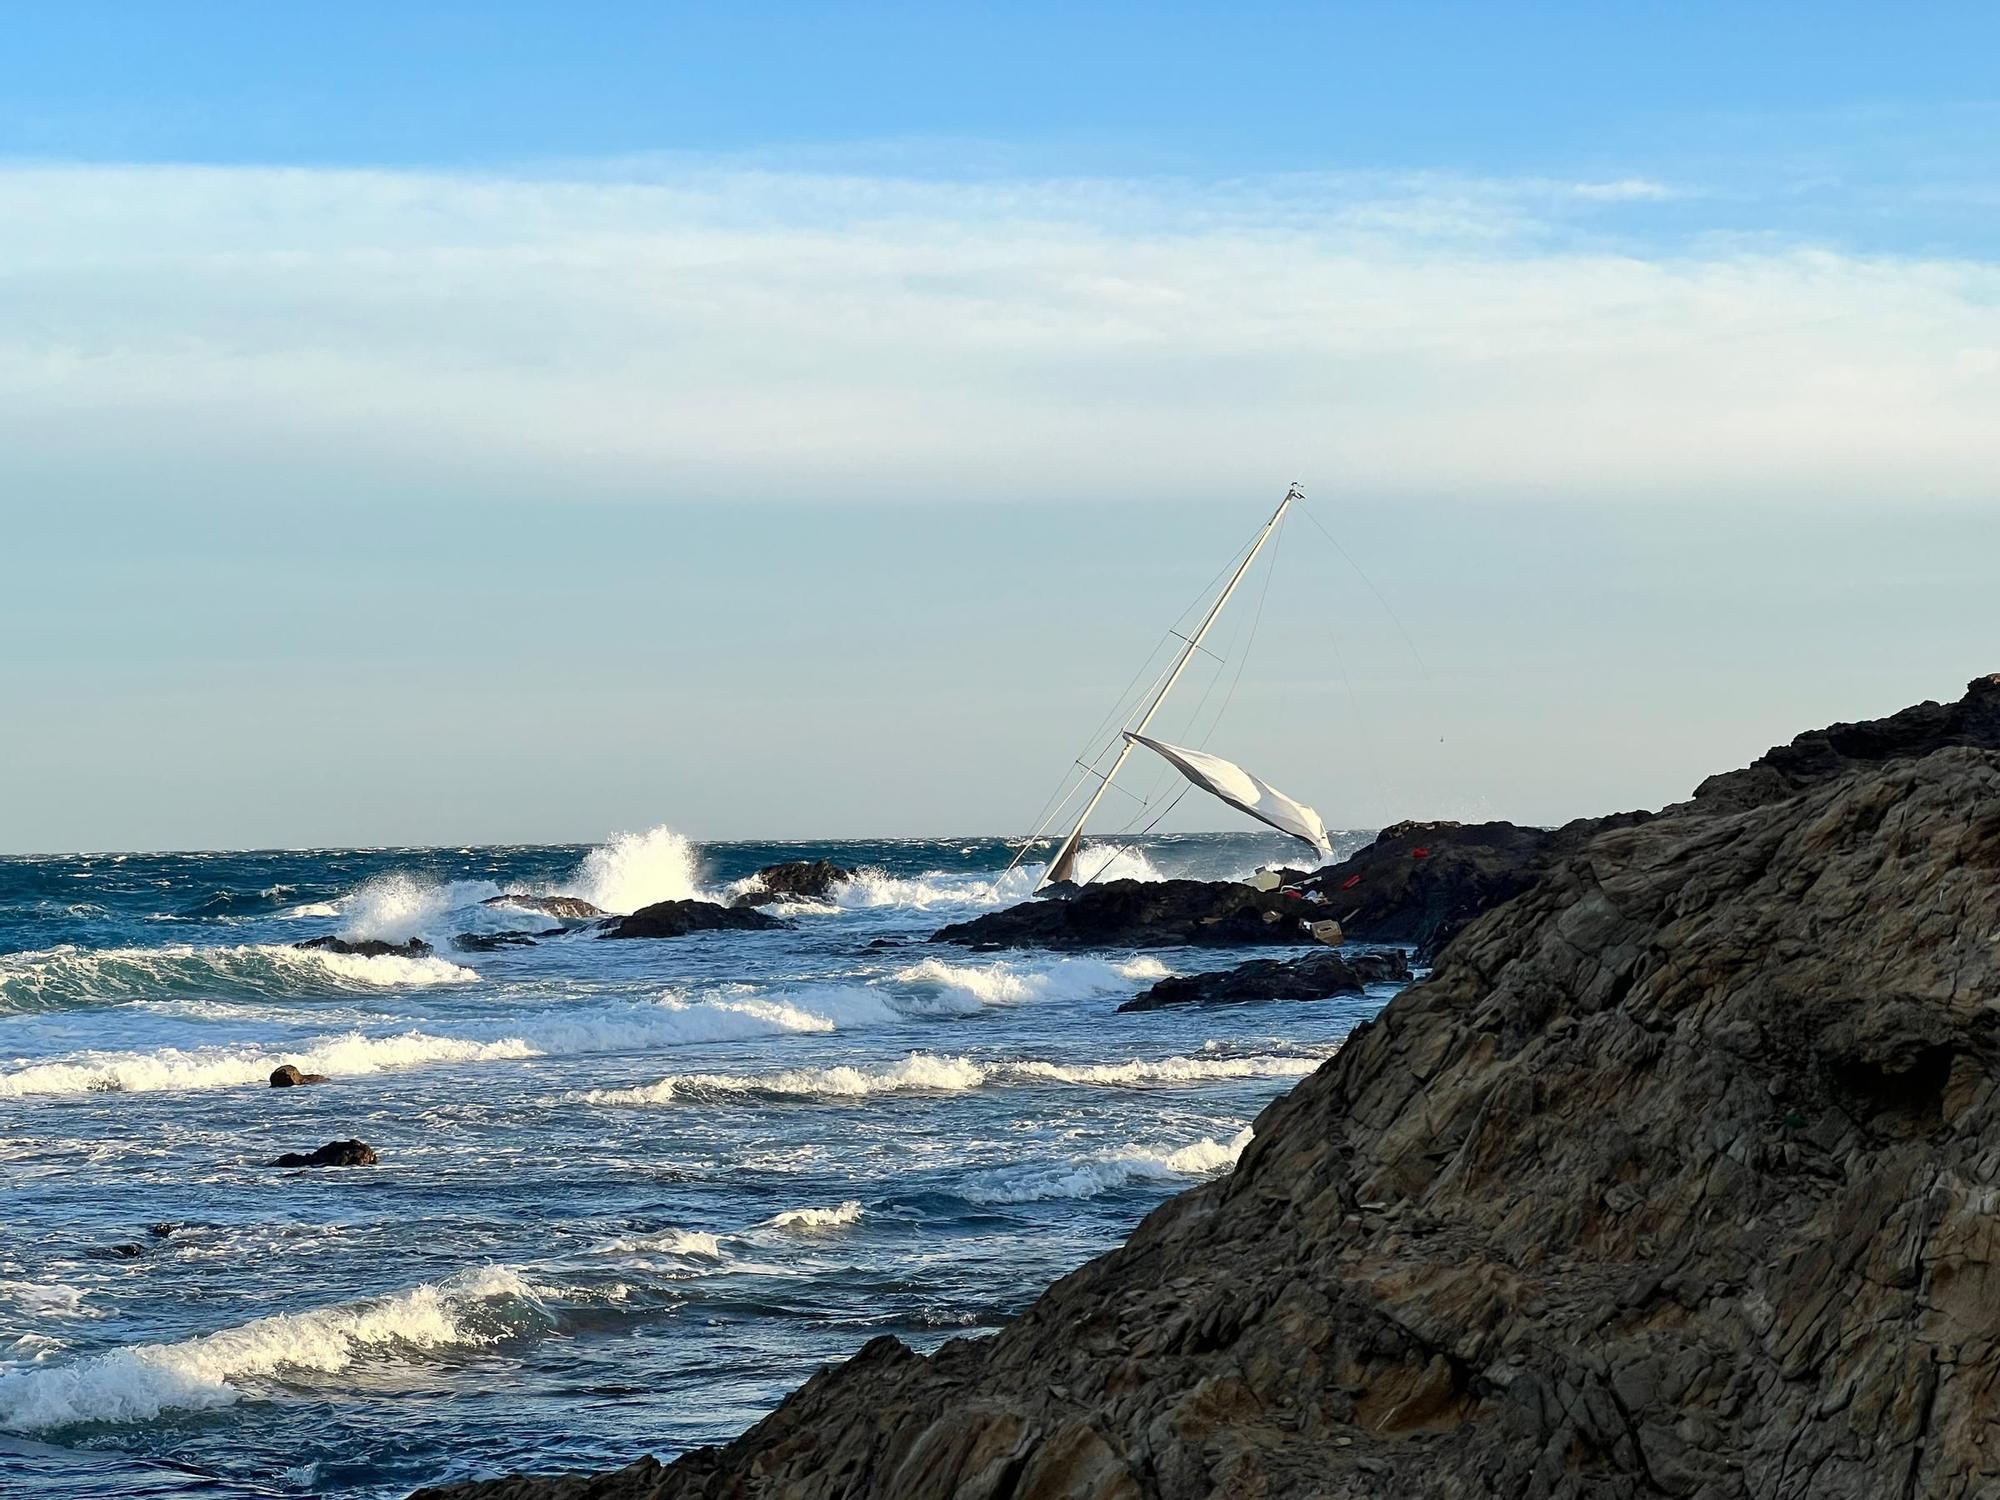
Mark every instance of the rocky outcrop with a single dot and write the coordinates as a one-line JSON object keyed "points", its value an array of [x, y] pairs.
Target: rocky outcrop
{"points": [[348, 1153], [1677, 1178], [567, 908], [1421, 883], [1141, 914], [288, 1076], [795, 880], [1317, 976], [492, 942], [678, 918], [368, 947]]}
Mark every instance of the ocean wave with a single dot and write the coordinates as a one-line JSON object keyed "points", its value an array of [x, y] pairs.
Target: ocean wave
{"points": [[631, 870], [873, 888], [684, 1244], [174, 1068], [397, 907], [817, 1218], [1107, 1173], [46, 1299], [1013, 982], [136, 1384], [926, 1072], [54, 978]]}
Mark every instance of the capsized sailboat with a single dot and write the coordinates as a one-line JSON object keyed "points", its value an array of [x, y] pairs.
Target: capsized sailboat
{"points": [[1221, 778]]}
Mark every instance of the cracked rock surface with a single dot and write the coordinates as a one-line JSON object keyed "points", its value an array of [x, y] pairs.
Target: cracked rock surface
{"points": [[1680, 1177]]}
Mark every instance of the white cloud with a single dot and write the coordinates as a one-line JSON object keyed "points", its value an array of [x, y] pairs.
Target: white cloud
{"points": [[687, 331]]}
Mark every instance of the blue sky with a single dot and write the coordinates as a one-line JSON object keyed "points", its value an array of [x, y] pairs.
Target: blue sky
{"points": [[524, 421]]}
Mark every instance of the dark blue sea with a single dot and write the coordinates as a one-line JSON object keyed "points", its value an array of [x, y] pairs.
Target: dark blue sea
{"points": [[630, 1193]]}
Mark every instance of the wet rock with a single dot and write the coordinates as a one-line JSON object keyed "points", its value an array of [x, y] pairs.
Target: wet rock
{"points": [[795, 880], [1142, 914], [568, 908], [490, 942], [1674, 1179], [368, 947], [348, 1153], [678, 918], [1315, 977], [288, 1076], [126, 1251], [161, 1230]]}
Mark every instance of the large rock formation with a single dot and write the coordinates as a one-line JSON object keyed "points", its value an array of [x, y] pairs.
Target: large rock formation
{"points": [[367, 947], [565, 908], [795, 880], [1314, 977], [1140, 914], [1680, 1177], [679, 918]]}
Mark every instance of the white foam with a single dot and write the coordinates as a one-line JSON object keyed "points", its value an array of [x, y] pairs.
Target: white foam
{"points": [[138, 1383], [1015, 982], [398, 907], [684, 1243], [170, 1068], [46, 1299], [631, 870], [1103, 1174], [926, 1072], [818, 1218], [68, 975]]}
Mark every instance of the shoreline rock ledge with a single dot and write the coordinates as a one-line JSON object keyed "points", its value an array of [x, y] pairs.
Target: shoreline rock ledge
{"points": [[1679, 1177]]}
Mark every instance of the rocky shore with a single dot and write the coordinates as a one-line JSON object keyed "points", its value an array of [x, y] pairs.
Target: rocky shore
{"points": [[1676, 1178]]}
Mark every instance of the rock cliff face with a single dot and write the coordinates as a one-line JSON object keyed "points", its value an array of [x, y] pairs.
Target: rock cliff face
{"points": [[1680, 1177]]}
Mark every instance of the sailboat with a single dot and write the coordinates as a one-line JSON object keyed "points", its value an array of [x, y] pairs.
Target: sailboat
{"points": [[1220, 778]]}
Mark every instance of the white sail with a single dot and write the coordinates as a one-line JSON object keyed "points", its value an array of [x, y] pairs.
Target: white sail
{"points": [[1237, 787]]}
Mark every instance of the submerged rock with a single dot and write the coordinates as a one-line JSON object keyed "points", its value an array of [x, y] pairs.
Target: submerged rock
{"points": [[795, 880], [678, 918], [349, 1153], [569, 908], [489, 942], [1141, 914], [288, 1076], [1674, 1179], [368, 947], [1314, 977]]}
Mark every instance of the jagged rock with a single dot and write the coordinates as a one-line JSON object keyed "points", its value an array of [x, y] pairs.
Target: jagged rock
{"points": [[795, 880], [288, 1076], [1675, 1179], [678, 918], [1314, 977], [569, 908], [489, 942], [161, 1230], [368, 947], [1421, 883], [1141, 914], [333, 1154]]}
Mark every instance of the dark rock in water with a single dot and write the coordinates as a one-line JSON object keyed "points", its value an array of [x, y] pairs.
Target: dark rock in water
{"points": [[368, 947], [1421, 883], [488, 942], [332, 1154], [161, 1230], [570, 908], [1314, 977], [795, 880], [879, 943], [1142, 914], [127, 1251], [1674, 1179], [288, 1076], [678, 918]]}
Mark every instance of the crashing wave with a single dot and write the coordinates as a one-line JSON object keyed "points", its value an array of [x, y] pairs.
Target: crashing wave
{"points": [[817, 1218], [1104, 1174], [136, 1384], [52, 978]]}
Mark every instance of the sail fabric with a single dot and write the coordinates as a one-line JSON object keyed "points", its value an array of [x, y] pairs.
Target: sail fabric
{"points": [[1237, 787]]}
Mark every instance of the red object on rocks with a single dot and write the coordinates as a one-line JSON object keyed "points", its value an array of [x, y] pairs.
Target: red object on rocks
{"points": [[1351, 882], [1420, 854]]}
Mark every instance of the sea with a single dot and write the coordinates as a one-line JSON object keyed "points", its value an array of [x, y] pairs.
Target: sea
{"points": [[629, 1193]]}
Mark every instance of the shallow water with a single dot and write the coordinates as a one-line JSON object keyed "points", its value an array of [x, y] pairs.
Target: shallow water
{"points": [[630, 1192]]}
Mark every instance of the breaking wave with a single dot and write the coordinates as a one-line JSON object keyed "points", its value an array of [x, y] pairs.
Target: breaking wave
{"points": [[631, 870], [925, 1072], [818, 1218], [1008, 982], [873, 888], [136, 1384], [53, 978], [225, 1067], [1103, 1174]]}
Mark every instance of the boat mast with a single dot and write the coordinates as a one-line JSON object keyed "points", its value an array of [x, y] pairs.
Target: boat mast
{"points": [[1063, 864]]}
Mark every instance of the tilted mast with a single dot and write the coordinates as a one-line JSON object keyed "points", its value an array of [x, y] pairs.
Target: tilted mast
{"points": [[1063, 865]]}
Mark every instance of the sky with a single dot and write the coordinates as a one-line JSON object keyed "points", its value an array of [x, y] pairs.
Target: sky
{"points": [[453, 423]]}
